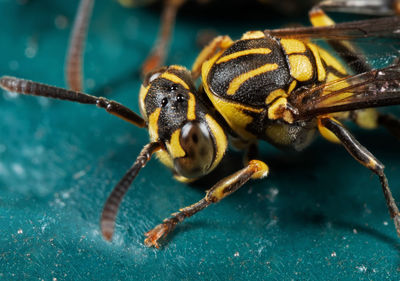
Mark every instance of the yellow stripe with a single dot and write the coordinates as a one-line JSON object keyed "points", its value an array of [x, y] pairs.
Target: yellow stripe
{"points": [[191, 114], [175, 79], [220, 139], [320, 67], [142, 96], [261, 51], [293, 46], [174, 147], [238, 81], [153, 124]]}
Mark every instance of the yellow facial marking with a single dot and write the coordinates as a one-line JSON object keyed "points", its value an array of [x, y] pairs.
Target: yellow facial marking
{"points": [[262, 51], [142, 96], [326, 133], [320, 68], [238, 81], [274, 95], [253, 35], [191, 114], [293, 46], [153, 124], [220, 138], [174, 146], [175, 79], [292, 86], [164, 157], [332, 61], [300, 67]]}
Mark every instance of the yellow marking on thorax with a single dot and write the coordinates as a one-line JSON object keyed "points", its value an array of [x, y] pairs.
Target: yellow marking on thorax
{"points": [[153, 124], [238, 81], [175, 79], [142, 96], [220, 139], [191, 113], [320, 67], [274, 95], [261, 51], [335, 83], [252, 35], [301, 68], [332, 61], [174, 145], [234, 115], [292, 86], [278, 110], [293, 46]]}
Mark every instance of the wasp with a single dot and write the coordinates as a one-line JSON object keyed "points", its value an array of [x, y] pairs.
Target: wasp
{"points": [[273, 85]]}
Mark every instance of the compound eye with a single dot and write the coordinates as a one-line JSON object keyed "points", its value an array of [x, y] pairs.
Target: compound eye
{"points": [[198, 145], [153, 75]]}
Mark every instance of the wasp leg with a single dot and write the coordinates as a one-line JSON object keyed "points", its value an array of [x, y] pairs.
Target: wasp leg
{"points": [[348, 51], [26, 87], [219, 43], [74, 62], [157, 56], [362, 155], [254, 170]]}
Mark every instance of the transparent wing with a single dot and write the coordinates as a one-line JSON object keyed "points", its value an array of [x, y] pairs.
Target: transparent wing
{"points": [[375, 88]]}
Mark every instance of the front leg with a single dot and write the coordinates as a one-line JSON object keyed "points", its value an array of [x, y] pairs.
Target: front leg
{"points": [[254, 170]]}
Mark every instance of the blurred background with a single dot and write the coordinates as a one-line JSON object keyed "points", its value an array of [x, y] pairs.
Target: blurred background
{"points": [[319, 215]]}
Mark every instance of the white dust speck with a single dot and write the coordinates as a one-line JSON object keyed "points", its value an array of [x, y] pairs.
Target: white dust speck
{"points": [[20, 231], [355, 231], [361, 268], [11, 95], [79, 174], [13, 65], [18, 169], [236, 254], [30, 52], [61, 22], [54, 279], [333, 254], [272, 193], [385, 223]]}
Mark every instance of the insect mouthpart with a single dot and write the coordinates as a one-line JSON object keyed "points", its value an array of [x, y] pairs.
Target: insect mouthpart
{"points": [[197, 147]]}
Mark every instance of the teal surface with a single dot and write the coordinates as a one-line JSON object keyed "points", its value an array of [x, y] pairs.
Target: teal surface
{"points": [[318, 216]]}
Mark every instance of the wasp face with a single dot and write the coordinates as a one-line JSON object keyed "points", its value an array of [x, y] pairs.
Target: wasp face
{"points": [[176, 116]]}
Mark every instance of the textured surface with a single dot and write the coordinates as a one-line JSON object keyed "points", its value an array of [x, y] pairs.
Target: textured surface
{"points": [[319, 216]]}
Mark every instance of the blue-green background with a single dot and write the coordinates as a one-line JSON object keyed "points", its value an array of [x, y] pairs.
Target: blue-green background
{"points": [[319, 215]]}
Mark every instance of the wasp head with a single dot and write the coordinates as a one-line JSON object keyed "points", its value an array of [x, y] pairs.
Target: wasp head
{"points": [[178, 118]]}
